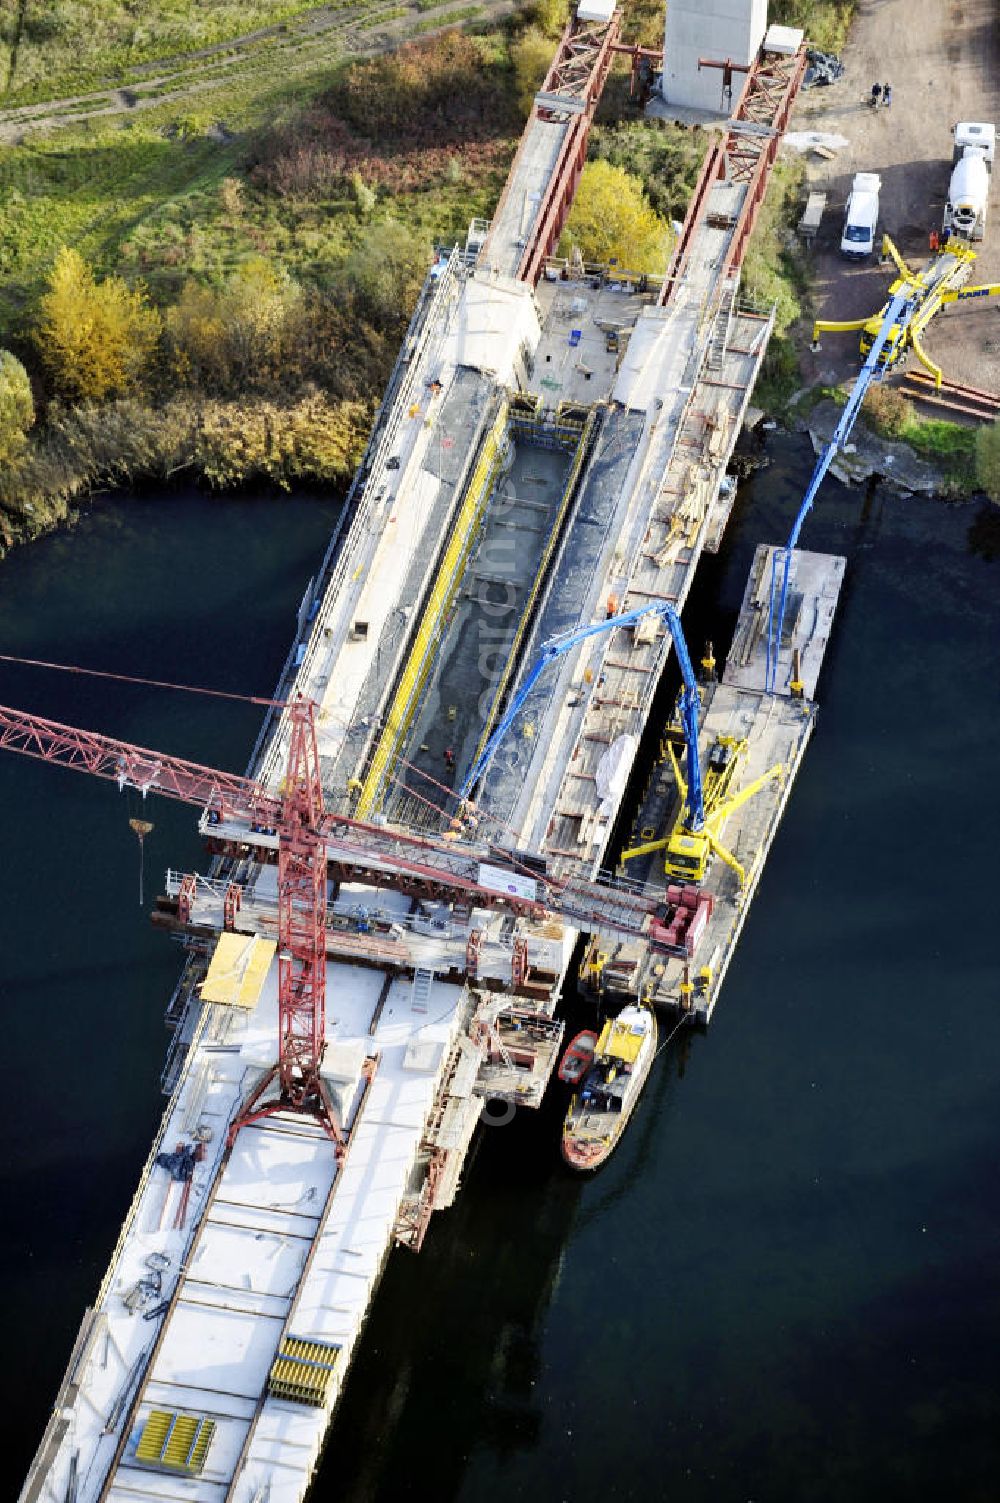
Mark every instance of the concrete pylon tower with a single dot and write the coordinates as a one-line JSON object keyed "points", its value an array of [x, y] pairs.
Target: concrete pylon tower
{"points": [[708, 28]]}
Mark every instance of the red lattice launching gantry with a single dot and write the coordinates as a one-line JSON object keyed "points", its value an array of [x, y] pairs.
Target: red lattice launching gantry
{"points": [[744, 155], [565, 103], [294, 1084]]}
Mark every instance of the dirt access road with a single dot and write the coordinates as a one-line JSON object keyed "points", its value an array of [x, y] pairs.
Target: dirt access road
{"points": [[942, 58]]}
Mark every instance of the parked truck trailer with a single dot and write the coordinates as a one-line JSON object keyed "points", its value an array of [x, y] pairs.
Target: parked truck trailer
{"points": [[969, 190]]}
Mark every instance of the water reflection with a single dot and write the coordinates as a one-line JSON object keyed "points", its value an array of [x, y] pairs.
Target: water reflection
{"points": [[745, 1302], [451, 1357]]}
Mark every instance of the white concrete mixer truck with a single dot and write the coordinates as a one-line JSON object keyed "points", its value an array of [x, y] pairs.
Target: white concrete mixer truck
{"points": [[969, 189]]}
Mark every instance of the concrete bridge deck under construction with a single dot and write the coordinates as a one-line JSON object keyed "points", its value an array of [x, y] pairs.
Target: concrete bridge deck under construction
{"points": [[588, 415]]}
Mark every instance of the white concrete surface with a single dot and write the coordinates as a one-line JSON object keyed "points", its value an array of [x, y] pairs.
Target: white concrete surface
{"points": [[713, 29]]}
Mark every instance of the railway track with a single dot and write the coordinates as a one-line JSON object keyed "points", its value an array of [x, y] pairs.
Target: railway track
{"points": [[964, 401]]}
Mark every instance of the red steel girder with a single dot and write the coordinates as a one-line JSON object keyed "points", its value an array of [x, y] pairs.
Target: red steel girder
{"points": [[579, 70], [580, 66], [556, 201], [231, 904], [577, 77], [767, 100], [745, 154], [185, 897]]}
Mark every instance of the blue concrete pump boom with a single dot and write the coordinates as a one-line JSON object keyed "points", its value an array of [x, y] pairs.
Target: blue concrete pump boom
{"points": [[689, 703], [896, 317]]}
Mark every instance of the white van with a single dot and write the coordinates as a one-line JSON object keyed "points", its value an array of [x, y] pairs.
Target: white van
{"points": [[861, 217]]}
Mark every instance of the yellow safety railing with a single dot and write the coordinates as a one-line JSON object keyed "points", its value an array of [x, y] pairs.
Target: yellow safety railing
{"points": [[582, 450], [449, 576]]}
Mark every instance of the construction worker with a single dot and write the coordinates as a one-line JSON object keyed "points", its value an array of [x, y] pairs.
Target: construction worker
{"points": [[449, 758], [933, 240]]}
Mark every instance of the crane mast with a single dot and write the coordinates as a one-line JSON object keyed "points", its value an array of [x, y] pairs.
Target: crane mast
{"points": [[301, 941]]}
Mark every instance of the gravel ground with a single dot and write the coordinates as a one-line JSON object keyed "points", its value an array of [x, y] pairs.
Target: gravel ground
{"points": [[942, 58]]}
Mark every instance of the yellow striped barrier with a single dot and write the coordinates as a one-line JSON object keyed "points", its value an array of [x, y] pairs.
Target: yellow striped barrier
{"points": [[449, 576]]}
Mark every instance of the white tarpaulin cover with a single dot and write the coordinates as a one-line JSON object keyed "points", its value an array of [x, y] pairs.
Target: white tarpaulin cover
{"points": [[613, 773], [495, 318], [784, 39], [808, 140], [498, 879]]}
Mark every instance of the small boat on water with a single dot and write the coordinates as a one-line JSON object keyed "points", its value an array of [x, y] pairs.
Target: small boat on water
{"points": [[601, 1107], [578, 1057]]}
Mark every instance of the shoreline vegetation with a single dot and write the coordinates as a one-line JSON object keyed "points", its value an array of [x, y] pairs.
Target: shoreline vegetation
{"points": [[217, 290], [216, 287], [221, 294]]}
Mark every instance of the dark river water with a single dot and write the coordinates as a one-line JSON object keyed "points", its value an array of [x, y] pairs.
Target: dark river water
{"points": [[784, 1285]]}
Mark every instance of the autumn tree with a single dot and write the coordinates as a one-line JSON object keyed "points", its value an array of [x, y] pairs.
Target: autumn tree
{"points": [[17, 407], [195, 336], [235, 336], [550, 16], [988, 459], [612, 220], [386, 268], [260, 300], [531, 55], [420, 91], [94, 337]]}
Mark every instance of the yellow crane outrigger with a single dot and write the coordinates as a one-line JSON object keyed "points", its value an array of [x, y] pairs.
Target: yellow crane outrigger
{"points": [[941, 282], [689, 851]]}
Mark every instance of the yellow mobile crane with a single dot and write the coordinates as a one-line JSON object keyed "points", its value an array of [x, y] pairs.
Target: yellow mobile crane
{"points": [[942, 281], [689, 851]]}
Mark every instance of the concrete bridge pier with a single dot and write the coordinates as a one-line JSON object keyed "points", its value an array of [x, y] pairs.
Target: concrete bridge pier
{"points": [[718, 29]]}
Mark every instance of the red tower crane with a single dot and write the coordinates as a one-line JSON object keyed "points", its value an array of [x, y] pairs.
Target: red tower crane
{"points": [[294, 1084]]}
